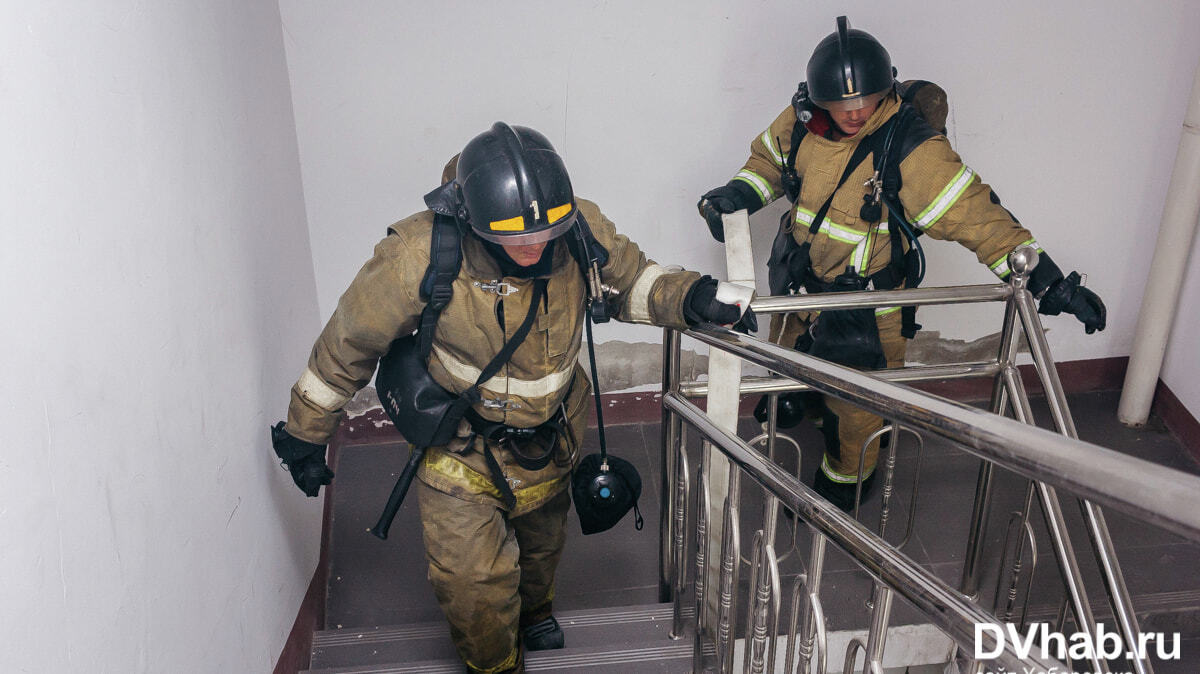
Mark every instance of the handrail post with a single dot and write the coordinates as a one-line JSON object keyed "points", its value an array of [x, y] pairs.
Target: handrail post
{"points": [[669, 430], [981, 509], [1102, 546]]}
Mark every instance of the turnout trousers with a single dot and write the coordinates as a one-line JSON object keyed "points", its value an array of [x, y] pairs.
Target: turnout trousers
{"points": [[854, 424], [493, 574]]}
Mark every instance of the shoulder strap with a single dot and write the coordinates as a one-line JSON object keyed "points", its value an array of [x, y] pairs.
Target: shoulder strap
{"points": [[510, 347], [584, 247], [445, 260], [789, 177], [591, 256], [860, 153], [908, 267]]}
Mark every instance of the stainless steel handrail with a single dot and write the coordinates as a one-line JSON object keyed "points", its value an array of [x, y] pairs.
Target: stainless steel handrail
{"points": [[882, 298], [1161, 496], [914, 373]]}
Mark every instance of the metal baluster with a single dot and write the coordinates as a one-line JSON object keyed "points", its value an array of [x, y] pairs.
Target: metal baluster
{"points": [[1025, 531], [793, 519], [776, 598], [814, 619], [679, 544], [794, 626], [888, 475], [916, 487], [730, 554], [881, 614], [702, 510], [852, 655], [812, 653], [756, 610]]}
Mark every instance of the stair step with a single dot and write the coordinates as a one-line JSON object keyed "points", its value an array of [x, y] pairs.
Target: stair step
{"points": [[663, 657], [429, 643]]}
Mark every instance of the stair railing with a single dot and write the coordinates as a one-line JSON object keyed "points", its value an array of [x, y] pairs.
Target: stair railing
{"points": [[1098, 476]]}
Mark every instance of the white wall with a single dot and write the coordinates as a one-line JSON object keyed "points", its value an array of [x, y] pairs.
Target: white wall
{"points": [[158, 300], [1071, 111]]}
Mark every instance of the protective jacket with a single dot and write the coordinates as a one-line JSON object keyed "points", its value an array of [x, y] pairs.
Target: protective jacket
{"points": [[542, 377], [941, 197]]}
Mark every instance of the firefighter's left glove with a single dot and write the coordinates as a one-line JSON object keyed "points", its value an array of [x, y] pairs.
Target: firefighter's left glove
{"points": [[712, 301], [1067, 295], [714, 204], [304, 460]]}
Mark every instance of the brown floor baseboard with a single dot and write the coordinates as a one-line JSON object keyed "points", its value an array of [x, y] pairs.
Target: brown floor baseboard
{"points": [[1177, 418], [297, 650]]}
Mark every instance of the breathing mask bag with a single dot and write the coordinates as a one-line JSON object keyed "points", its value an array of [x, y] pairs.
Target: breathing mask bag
{"points": [[847, 337], [604, 490], [426, 414]]}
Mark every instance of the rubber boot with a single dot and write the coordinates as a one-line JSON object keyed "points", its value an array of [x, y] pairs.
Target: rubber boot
{"points": [[543, 636], [841, 494]]}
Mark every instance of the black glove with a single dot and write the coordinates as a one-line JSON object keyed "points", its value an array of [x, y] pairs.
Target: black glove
{"points": [[714, 204], [1067, 295], [701, 305], [304, 460]]}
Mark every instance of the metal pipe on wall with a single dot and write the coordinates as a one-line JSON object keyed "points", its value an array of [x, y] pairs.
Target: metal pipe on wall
{"points": [[1175, 235]]}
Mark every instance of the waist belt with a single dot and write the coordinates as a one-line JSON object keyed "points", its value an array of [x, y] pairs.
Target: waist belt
{"points": [[533, 448]]}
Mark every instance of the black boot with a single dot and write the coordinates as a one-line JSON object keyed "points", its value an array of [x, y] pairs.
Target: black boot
{"points": [[841, 494], [543, 636], [792, 408]]}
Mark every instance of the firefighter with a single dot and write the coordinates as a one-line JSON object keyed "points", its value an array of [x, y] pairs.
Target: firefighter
{"points": [[493, 520], [836, 236]]}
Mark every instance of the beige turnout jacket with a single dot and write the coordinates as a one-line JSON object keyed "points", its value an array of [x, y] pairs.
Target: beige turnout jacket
{"points": [[383, 303], [942, 197]]}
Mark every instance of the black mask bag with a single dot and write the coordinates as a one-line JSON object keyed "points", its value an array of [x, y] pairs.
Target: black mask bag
{"points": [[847, 337], [602, 498]]}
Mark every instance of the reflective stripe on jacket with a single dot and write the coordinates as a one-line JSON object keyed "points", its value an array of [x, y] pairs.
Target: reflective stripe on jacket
{"points": [[940, 195], [383, 303]]}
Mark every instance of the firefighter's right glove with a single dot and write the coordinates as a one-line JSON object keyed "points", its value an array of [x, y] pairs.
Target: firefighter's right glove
{"points": [[1067, 295], [714, 204], [304, 460], [702, 306]]}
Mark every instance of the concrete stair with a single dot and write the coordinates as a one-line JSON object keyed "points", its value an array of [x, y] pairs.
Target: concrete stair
{"points": [[599, 641]]}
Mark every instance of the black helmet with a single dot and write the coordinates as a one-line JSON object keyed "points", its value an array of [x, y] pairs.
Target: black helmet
{"points": [[514, 187], [849, 70]]}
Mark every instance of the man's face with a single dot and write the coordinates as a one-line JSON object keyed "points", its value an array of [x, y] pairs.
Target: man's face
{"points": [[850, 122], [526, 256]]}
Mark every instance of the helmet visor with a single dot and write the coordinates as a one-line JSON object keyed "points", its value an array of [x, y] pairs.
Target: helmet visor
{"points": [[512, 232], [856, 103]]}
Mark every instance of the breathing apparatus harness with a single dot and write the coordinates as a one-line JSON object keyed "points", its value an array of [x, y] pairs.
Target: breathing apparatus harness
{"points": [[790, 266], [428, 415]]}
